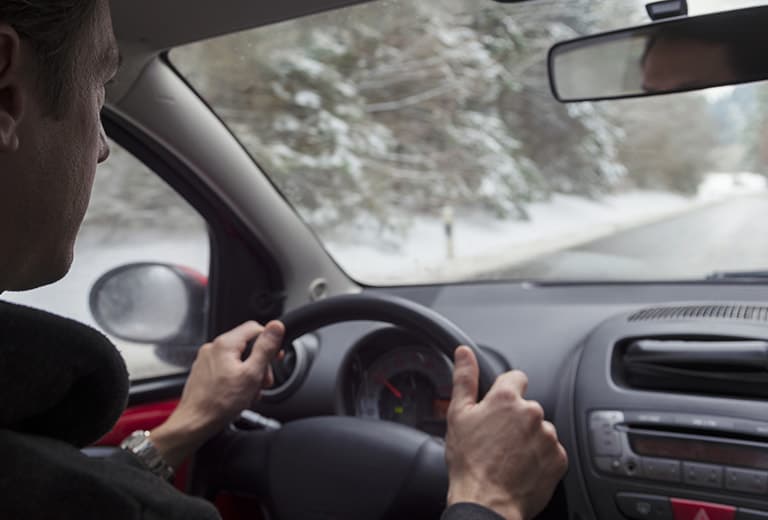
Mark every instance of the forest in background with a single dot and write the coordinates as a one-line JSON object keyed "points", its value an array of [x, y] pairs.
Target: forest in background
{"points": [[383, 112]]}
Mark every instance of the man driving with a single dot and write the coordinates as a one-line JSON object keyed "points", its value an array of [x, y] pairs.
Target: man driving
{"points": [[56, 58]]}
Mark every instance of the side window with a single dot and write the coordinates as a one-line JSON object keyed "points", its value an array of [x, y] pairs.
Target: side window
{"points": [[136, 218]]}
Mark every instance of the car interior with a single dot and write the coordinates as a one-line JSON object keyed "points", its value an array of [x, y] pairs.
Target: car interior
{"points": [[654, 382]]}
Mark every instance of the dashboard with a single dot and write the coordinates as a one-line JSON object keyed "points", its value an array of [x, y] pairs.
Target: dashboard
{"points": [[657, 390]]}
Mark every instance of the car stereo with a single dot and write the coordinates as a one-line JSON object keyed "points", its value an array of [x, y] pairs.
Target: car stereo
{"points": [[691, 450]]}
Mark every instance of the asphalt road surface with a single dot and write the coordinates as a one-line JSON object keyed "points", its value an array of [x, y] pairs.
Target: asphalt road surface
{"points": [[726, 236]]}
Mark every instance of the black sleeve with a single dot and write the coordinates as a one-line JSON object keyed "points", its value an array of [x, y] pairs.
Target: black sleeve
{"points": [[127, 458], [467, 511]]}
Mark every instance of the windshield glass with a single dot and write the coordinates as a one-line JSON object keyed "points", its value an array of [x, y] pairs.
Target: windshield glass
{"points": [[422, 144]]}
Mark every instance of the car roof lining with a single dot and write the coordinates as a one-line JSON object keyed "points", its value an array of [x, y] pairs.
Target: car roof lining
{"points": [[155, 25], [146, 28]]}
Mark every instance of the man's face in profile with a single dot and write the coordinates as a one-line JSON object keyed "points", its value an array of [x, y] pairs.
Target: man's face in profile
{"points": [[678, 64], [49, 162]]}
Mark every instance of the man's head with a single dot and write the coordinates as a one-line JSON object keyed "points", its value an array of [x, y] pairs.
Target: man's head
{"points": [[677, 63], [710, 51], [52, 29], [55, 60]]}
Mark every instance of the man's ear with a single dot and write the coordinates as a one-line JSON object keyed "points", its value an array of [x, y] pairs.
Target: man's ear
{"points": [[12, 92]]}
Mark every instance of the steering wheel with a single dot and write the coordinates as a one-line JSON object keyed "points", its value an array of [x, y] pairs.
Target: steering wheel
{"points": [[342, 467]]}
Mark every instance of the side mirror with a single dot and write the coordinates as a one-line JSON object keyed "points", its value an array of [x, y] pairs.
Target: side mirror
{"points": [[152, 303]]}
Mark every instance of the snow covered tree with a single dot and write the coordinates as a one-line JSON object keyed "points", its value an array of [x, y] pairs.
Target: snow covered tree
{"points": [[396, 112]]}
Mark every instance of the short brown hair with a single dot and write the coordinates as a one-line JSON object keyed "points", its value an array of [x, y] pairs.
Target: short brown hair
{"points": [[54, 28]]}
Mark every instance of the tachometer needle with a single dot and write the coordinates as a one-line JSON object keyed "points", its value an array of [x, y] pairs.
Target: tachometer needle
{"points": [[391, 388]]}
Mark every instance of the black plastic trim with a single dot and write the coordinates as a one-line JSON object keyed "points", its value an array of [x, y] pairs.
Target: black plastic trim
{"points": [[255, 272]]}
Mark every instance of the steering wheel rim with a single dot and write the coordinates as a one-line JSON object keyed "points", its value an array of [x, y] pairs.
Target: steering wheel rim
{"points": [[423, 322], [327, 460]]}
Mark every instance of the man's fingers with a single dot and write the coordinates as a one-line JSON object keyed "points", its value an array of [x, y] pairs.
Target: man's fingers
{"points": [[513, 381], [240, 336], [549, 431], [266, 347], [269, 378], [465, 378]]}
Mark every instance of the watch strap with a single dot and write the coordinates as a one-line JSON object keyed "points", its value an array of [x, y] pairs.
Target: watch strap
{"points": [[141, 446]]}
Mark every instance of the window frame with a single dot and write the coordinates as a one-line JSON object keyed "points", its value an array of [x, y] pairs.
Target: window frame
{"points": [[245, 282]]}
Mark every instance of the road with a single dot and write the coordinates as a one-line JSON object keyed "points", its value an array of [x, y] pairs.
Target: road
{"points": [[726, 236]]}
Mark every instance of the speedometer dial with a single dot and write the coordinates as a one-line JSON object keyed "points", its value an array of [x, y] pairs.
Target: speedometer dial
{"points": [[410, 386]]}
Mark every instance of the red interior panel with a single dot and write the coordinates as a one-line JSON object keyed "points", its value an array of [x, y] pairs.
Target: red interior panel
{"points": [[142, 417], [149, 416]]}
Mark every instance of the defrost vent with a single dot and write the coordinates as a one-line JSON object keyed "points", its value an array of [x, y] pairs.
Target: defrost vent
{"points": [[721, 312]]}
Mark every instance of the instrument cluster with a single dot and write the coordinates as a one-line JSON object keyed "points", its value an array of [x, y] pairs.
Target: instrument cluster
{"points": [[392, 376]]}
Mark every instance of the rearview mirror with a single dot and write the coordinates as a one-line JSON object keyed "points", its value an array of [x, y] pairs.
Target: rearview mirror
{"points": [[679, 55]]}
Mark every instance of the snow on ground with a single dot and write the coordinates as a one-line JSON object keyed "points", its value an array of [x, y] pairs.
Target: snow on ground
{"points": [[719, 185], [482, 245]]}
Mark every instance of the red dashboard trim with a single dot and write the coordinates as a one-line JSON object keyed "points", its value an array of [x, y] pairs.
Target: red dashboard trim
{"points": [[142, 417], [149, 416]]}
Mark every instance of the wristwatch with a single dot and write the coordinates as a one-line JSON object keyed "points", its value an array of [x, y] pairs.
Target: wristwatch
{"points": [[143, 449]]}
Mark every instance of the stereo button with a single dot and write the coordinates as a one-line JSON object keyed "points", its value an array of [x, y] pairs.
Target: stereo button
{"points": [[609, 465], [642, 507], [606, 441], [705, 475], [661, 469], [746, 481], [606, 417]]}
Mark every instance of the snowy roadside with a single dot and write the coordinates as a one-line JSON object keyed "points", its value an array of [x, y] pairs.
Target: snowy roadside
{"points": [[484, 245], [97, 251]]}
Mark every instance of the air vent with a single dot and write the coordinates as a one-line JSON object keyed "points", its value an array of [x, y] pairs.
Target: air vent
{"points": [[724, 368], [717, 312]]}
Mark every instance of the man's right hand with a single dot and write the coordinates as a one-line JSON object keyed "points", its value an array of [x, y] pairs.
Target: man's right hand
{"points": [[501, 453], [220, 386]]}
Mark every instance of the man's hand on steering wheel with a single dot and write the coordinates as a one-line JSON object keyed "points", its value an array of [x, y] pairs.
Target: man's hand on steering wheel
{"points": [[501, 453], [219, 387]]}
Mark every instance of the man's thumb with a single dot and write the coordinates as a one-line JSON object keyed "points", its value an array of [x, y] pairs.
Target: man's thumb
{"points": [[267, 345], [465, 377]]}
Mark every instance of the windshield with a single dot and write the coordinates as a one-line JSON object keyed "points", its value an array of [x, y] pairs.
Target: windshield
{"points": [[420, 141]]}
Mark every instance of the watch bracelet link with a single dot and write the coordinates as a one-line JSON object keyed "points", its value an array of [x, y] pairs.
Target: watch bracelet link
{"points": [[140, 445]]}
